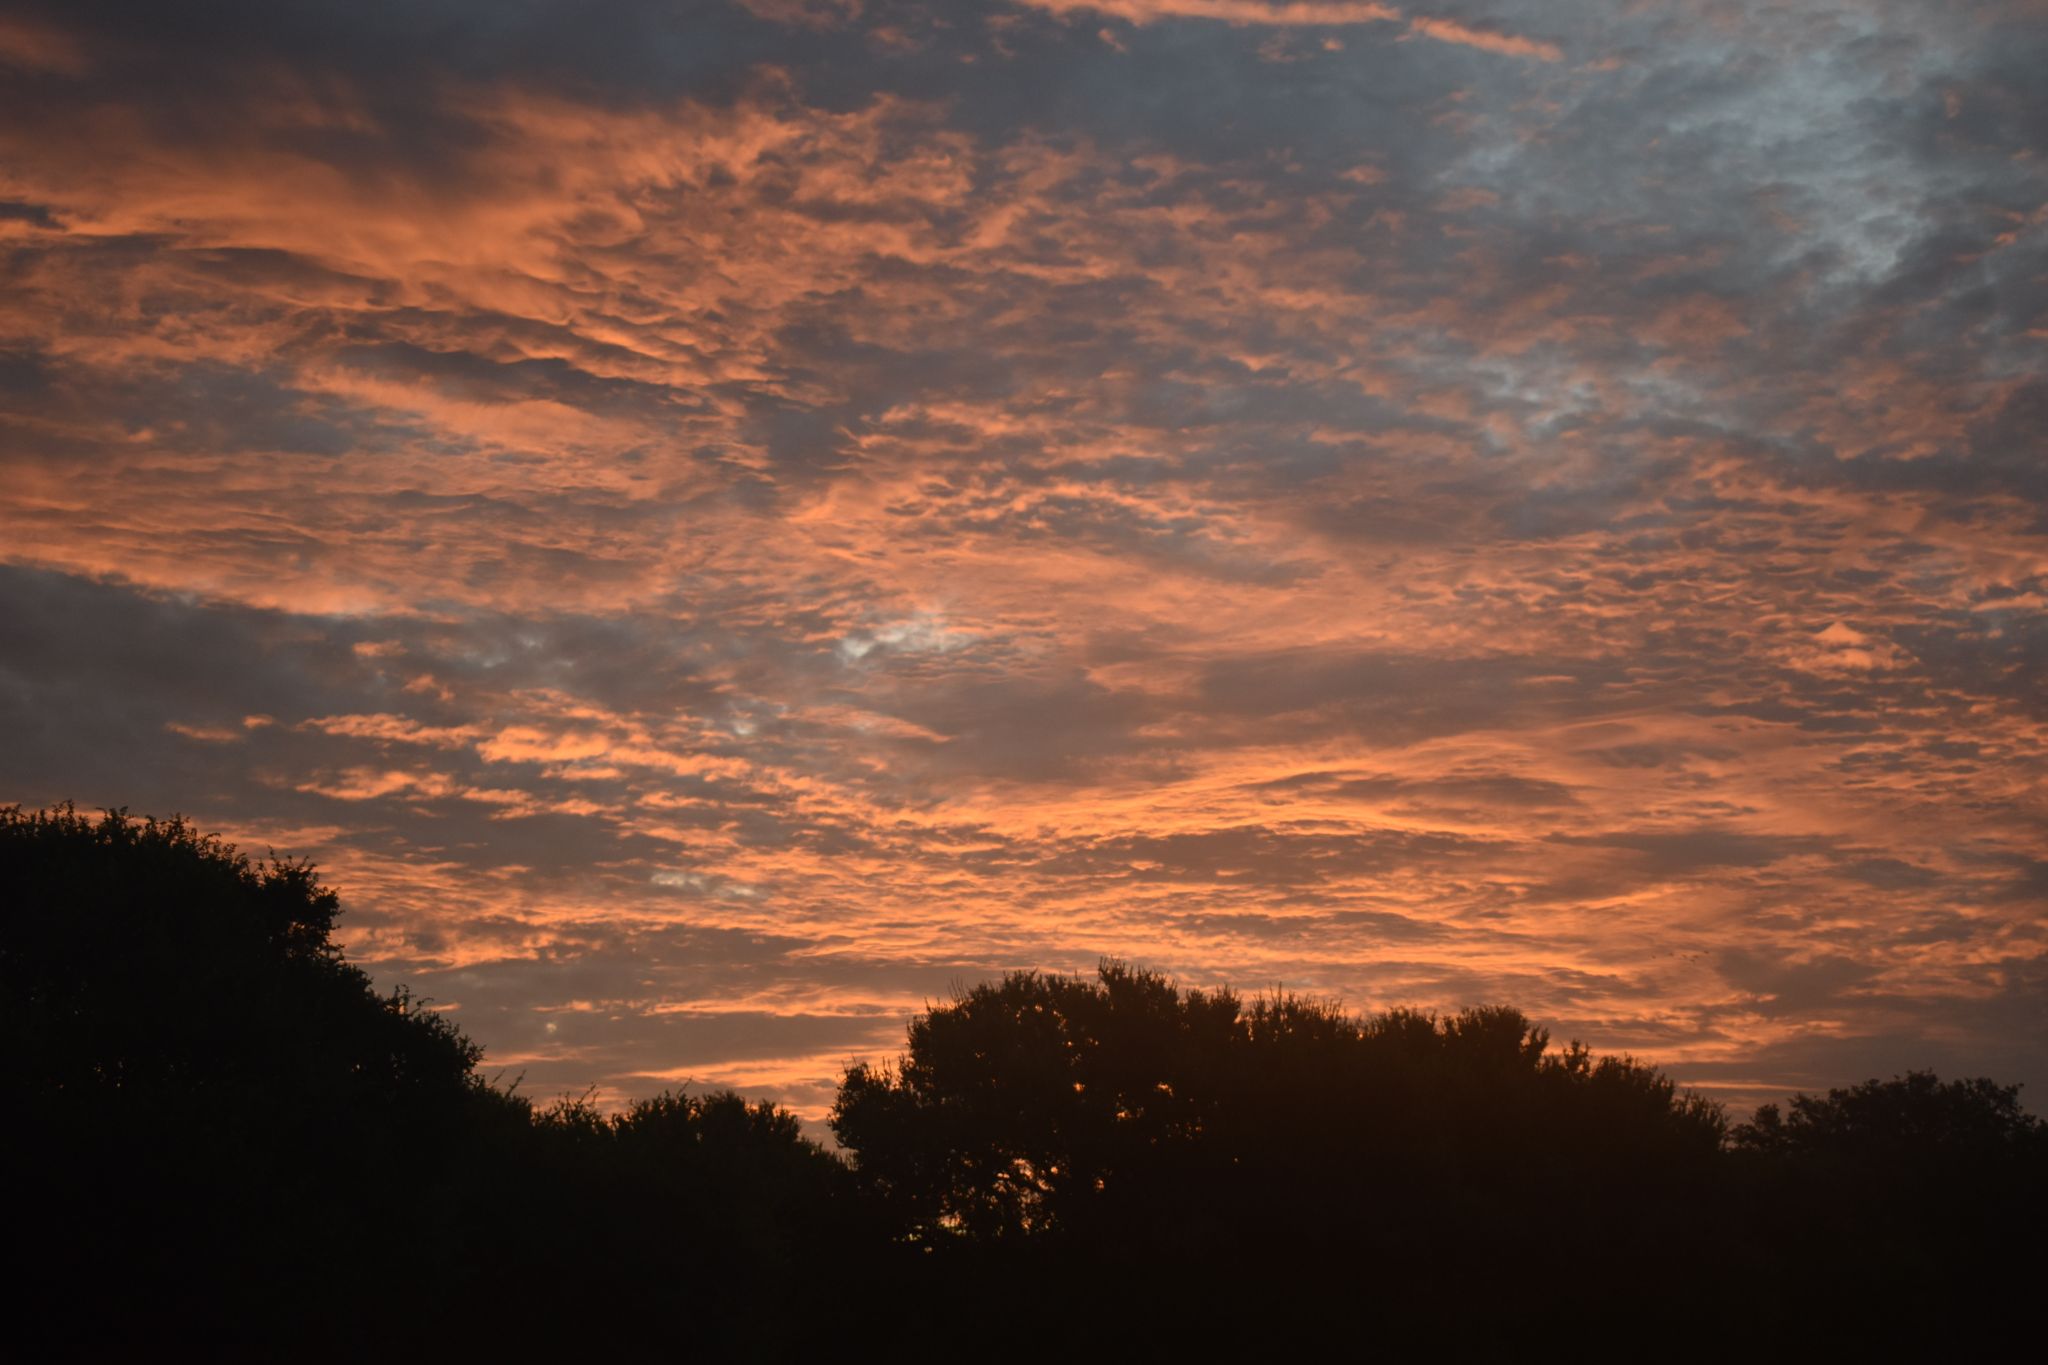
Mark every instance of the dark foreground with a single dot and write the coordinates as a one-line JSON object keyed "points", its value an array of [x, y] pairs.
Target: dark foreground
{"points": [[221, 1134]]}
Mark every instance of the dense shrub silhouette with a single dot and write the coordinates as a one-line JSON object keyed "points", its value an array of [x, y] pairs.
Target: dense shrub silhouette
{"points": [[706, 1207]]}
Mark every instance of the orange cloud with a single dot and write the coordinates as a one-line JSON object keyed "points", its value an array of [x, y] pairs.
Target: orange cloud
{"points": [[1486, 40], [1260, 12], [715, 567]]}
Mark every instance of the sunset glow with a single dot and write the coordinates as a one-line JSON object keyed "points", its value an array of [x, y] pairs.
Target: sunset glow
{"points": [[716, 523]]}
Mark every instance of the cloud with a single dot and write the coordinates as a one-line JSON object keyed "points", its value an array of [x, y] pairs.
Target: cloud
{"points": [[1486, 40], [722, 529], [1279, 13], [29, 45], [1303, 14]]}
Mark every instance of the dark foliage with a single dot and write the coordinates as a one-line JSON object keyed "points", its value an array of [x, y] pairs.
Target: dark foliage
{"points": [[201, 1079], [1256, 1163], [1912, 1193], [222, 1133], [1242, 1175]]}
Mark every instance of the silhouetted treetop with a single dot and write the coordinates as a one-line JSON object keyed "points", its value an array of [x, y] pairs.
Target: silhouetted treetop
{"points": [[1050, 1104], [141, 954], [1915, 1114], [224, 1128]]}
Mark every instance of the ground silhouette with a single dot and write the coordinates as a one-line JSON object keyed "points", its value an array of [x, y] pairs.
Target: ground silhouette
{"points": [[223, 1132]]}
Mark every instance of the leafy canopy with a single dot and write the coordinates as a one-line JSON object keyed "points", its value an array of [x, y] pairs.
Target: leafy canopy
{"points": [[1046, 1104]]}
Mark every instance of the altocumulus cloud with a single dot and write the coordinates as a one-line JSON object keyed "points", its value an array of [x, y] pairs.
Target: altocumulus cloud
{"points": [[713, 523]]}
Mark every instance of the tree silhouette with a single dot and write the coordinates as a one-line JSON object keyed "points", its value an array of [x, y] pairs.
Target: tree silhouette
{"points": [[1903, 1191], [1909, 1119], [214, 1106], [1250, 1153], [221, 1130], [680, 1200]]}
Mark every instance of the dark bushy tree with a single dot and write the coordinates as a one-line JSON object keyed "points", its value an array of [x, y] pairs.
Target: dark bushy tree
{"points": [[1188, 1146], [1911, 1192], [222, 1131], [211, 1101], [704, 1208], [1915, 1118]]}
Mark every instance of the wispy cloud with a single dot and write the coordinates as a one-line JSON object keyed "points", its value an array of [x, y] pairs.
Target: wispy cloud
{"points": [[1486, 40], [1322, 13]]}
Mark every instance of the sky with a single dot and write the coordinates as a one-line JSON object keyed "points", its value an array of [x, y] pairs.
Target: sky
{"points": [[717, 525]]}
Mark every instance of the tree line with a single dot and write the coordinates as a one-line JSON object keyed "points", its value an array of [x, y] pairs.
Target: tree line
{"points": [[222, 1131]]}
